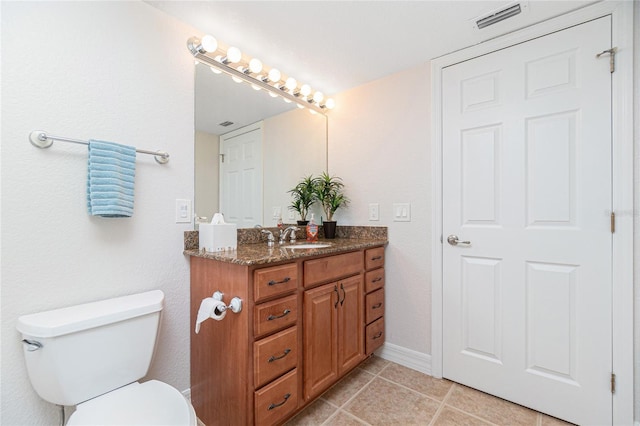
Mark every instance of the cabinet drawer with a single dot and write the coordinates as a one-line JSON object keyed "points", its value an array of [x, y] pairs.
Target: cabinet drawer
{"points": [[275, 355], [374, 280], [331, 268], [375, 335], [374, 258], [374, 305], [276, 315], [274, 281], [277, 400]]}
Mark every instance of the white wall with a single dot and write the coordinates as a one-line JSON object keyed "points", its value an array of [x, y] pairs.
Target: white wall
{"points": [[207, 175], [118, 71], [379, 145], [636, 210]]}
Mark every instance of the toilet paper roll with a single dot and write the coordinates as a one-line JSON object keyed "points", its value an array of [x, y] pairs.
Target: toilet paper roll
{"points": [[210, 308]]}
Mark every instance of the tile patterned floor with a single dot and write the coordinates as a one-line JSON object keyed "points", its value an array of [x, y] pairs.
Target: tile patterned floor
{"points": [[381, 392]]}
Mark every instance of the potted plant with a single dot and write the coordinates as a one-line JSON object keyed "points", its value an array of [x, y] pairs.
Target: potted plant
{"points": [[329, 191], [304, 196]]}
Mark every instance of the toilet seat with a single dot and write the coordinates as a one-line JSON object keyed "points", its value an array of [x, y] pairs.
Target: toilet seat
{"points": [[149, 403]]}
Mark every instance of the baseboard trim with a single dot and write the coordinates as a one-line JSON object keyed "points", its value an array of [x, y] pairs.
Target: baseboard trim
{"points": [[406, 357]]}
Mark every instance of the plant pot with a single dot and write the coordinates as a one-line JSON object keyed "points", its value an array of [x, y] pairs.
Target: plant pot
{"points": [[329, 229], [303, 222]]}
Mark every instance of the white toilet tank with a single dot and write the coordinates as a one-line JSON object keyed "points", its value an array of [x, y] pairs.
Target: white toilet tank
{"points": [[90, 349]]}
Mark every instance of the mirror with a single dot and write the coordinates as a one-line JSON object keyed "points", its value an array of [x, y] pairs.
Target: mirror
{"points": [[292, 144]]}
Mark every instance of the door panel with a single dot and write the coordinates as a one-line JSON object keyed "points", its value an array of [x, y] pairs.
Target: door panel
{"points": [[241, 176], [527, 182]]}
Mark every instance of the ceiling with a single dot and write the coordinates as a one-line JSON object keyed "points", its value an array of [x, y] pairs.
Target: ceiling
{"points": [[337, 45]]}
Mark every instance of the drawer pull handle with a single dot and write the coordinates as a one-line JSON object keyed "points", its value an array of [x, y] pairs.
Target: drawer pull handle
{"points": [[285, 280], [344, 294], [376, 258], [378, 335], [275, 358], [272, 406], [275, 317], [335, 288], [376, 280], [377, 305]]}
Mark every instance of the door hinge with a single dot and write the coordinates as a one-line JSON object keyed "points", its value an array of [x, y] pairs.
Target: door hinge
{"points": [[222, 158], [613, 383], [612, 57], [613, 222]]}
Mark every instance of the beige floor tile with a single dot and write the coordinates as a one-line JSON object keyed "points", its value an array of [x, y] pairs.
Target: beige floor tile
{"points": [[552, 421], [385, 403], [342, 391], [344, 419], [451, 417], [423, 383], [313, 415], [374, 364], [490, 408]]}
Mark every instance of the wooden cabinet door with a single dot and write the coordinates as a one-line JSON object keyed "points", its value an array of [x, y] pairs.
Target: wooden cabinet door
{"points": [[350, 323], [320, 338]]}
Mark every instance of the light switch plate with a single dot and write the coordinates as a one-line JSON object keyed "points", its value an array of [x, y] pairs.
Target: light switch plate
{"points": [[276, 212], [402, 212], [183, 211], [374, 211]]}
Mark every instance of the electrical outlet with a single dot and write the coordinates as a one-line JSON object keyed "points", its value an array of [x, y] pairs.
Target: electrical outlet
{"points": [[401, 212], [374, 211], [183, 211]]}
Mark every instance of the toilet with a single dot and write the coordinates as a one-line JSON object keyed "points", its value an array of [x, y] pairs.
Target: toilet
{"points": [[91, 356]]}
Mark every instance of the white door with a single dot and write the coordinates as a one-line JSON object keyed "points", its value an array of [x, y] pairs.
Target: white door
{"points": [[241, 176], [527, 183]]}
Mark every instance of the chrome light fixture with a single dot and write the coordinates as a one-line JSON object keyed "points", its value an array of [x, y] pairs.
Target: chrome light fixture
{"points": [[252, 71]]}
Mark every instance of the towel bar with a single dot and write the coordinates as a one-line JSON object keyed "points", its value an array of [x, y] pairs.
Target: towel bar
{"points": [[40, 139]]}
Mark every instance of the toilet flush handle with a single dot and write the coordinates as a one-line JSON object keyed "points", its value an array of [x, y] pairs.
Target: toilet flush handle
{"points": [[32, 345]]}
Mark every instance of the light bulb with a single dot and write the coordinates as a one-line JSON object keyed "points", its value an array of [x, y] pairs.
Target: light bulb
{"points": [[234, 54], [274, 75], [305, 90], [256, 87], [215, 70], [318, 97], [287, 100], [330, 103], [313, 112], [255, 65], [273, 95], [236, 79], [300, 106], [209, 43], [291, 83]]}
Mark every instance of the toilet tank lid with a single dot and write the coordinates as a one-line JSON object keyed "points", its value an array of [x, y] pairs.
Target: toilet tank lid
{"points": [[89, 315]]}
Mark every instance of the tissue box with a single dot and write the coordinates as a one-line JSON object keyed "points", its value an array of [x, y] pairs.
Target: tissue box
{"points": [[218, 237]]}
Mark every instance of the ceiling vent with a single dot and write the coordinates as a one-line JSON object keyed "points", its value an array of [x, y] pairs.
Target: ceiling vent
{"points": [[499, 15], [226, 123]]}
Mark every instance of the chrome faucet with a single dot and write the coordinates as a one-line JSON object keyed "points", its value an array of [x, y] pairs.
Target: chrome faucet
{"points": [[270, 238], [292, 235]]}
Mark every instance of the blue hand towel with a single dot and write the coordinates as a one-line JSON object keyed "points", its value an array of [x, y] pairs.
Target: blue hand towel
{"points": [[111, 178]]}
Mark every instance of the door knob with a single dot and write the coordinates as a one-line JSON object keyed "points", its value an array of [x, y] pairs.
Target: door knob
{"points": [[454, 241]]}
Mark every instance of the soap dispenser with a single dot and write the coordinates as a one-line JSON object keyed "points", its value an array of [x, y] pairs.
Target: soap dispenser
{"points": [[312, 230]]}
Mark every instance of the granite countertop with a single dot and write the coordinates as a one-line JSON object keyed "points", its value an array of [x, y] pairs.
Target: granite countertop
{"points": [[260, 253]]}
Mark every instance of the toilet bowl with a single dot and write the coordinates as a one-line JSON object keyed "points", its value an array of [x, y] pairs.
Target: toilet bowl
{"points": [[92, 356]]}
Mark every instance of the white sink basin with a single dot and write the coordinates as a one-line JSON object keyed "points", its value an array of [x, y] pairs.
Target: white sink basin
{"points": [[308, 246]]}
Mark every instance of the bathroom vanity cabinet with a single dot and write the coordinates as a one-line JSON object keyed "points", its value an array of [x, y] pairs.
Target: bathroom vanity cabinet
{"points": [[306, 321]]}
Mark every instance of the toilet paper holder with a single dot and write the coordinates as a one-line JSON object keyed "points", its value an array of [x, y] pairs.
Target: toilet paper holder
{"points": [[235, 305]]}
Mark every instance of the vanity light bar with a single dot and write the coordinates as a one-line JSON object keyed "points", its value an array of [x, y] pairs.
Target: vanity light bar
{"points": [[201, 48]]}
